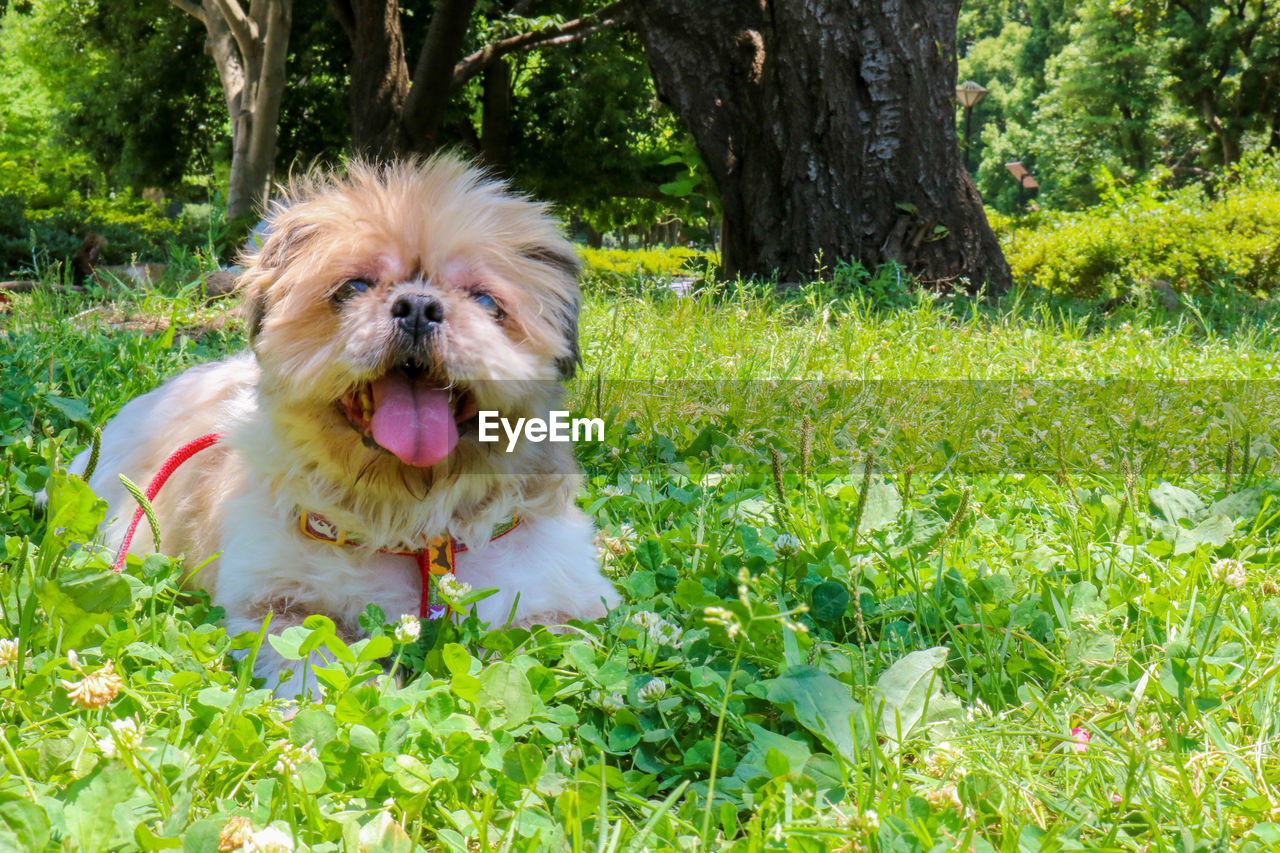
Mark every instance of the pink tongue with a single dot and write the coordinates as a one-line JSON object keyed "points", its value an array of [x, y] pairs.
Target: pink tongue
{"points": [[413, 421]]}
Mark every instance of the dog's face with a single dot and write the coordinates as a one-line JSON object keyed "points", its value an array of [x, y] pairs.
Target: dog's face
{"points": [[390, 305]]}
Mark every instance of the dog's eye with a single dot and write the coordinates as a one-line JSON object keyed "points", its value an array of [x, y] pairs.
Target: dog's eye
{"points": [[350, 288], [487, 302]]}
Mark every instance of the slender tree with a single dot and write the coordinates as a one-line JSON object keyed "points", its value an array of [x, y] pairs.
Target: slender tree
{"points": [[249, 48], [829, 130]]}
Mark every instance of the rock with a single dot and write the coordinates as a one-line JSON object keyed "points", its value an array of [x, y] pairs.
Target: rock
{"points": [[1165, 295], [220, 282]]}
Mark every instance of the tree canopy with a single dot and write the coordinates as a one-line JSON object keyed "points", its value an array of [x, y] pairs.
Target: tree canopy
{"points": [[559, 95]]}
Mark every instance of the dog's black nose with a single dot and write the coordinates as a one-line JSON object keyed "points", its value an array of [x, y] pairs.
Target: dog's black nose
{"points": [[417, 312]]}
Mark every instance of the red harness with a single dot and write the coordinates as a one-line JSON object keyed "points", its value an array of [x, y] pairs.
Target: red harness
{"points": [[436, 558]]}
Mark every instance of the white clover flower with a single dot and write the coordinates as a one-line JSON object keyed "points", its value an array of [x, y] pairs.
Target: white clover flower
{"points": [[269, 840], [611, 491], [645, 618], [408, 629], [107, 746], [786, 544], [568, 753], [609, 702], [1230, 573], [8, 652], [292, 757], [126, 736], [659, 630], [96, 689], [725, 618], [235, 833], [943, 799], [653, 690], [452, 588], [621, 541]]}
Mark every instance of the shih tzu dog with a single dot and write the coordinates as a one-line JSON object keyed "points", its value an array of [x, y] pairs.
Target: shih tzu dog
{"points": [[386, 309]]}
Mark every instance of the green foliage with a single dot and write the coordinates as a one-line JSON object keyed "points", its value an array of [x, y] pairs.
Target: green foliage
{"points": [[33, 239], [53, 194], [618, 267], [1126, 85], [129, 86], [1142, 234]]}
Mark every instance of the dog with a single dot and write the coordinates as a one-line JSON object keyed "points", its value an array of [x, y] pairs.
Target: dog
{"points": [[385, 307]]}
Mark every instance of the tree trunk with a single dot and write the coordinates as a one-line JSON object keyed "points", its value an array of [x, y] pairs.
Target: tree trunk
{"points": [[249, 51], [495, 118], [1230, 144], [274, 23], [379, 76], [829, 130], [433, 75]]}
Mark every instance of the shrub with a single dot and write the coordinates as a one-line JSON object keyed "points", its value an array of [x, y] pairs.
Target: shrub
{"points": [[1188, 238], [613, 266]]}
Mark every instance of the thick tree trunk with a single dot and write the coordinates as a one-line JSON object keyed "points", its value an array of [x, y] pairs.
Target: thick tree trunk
{"points": [[829, 130], [274, 23]]}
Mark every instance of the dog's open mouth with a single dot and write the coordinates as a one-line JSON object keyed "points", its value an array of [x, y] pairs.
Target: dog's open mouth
{"points": [[409, 413]]}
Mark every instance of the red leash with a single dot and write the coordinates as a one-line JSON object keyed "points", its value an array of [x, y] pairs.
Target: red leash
{"points": [[171, 464]]}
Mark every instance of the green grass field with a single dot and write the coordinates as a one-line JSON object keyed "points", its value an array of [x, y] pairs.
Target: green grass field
{"points": [[952, 576]]}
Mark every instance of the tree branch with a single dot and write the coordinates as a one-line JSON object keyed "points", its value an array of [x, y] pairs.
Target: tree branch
{"points": [[192, 9], [243, 30], [569, 31]]}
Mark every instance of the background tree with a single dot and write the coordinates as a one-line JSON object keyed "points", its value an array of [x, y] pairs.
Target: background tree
{"points": [[1225, 69], [249, 48], [396, 112], [830, 132]]}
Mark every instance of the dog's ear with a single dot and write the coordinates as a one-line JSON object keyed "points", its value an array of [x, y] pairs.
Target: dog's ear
{"points": [[560, 260], [565, 263], [253, 304], [567, 366], [281, 240], [255, 311]]}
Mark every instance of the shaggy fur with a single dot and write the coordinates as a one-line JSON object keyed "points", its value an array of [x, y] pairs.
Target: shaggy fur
{"points": [[320, 295]]}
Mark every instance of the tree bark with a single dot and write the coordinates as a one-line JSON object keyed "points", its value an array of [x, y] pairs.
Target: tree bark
{"points": [[433, 75], [829, 129], [495, 116], [379, 75]]}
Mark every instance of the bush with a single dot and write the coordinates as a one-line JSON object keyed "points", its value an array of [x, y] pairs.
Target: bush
{"points": [[1137, 236], [34, 238], [615, 265]]}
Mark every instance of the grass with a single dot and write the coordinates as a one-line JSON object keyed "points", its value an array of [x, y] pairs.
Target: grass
{"points": [[948, 576]]}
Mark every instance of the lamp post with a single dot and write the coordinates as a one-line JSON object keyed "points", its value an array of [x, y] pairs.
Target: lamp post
{"points": [[969, 94]]}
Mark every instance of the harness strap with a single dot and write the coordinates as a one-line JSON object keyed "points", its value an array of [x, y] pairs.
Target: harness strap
{"points": [[170, 465]]}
